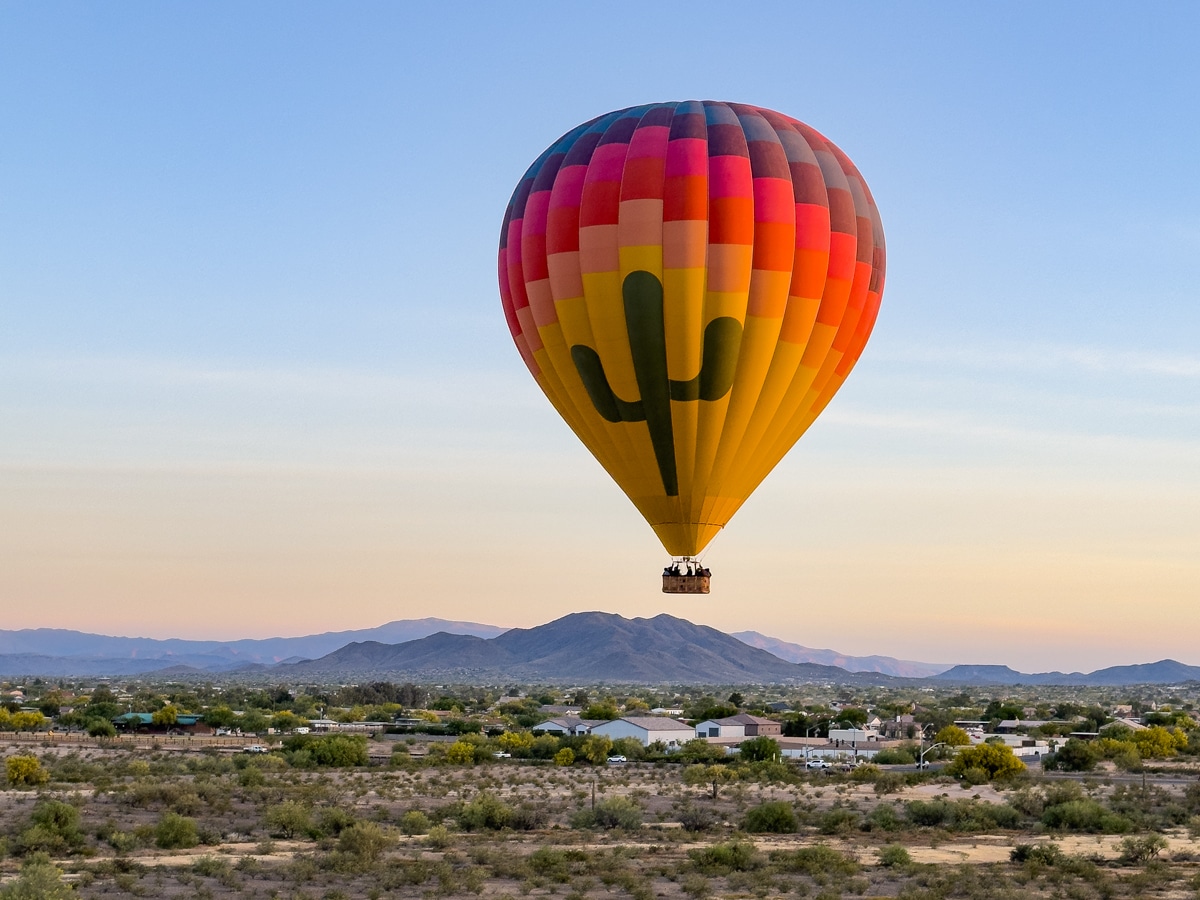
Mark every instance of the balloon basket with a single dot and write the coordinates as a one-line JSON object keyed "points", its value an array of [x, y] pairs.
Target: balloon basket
{"points": [[685, 584], [687, 577]]}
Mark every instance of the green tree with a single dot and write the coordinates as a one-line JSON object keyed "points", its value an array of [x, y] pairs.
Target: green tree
{"points": [[101, 728], [700, 750], [220, 717], [1157, 742], [715, 776], [27, 721], [1074, 756], [288, 819], [758, 749], [167, 716], [604, 711], [564, 757], [596, 748], [364, 841]]}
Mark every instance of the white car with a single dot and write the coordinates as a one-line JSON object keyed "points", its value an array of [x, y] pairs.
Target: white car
{"points": [[500, 754], [614, 760], [254, 748], [817, 764]]}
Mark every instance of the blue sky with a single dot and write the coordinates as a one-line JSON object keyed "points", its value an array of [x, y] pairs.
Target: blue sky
{"points": [[254, 378]]}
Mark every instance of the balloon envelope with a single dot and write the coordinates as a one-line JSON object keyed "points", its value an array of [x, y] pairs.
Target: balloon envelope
{"points": [[690, 283]]}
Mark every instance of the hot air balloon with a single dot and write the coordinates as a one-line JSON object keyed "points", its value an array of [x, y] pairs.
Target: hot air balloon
{"points": [[690, 284]]}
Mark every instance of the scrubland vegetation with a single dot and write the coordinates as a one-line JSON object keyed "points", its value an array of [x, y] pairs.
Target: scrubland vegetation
{"points": [[439, 815]]}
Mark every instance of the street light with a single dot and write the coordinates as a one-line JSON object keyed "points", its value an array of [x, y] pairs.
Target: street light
{"points": [[921, 764]]}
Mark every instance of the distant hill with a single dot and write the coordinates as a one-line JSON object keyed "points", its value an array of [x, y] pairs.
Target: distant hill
{"points": [[583, 647], [1165, 671], [796, 653], [57, 651]]}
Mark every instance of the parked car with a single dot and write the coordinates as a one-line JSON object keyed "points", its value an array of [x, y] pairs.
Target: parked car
{"points": [[817, 764], [500, 754], [615, 760], [254, 748]]}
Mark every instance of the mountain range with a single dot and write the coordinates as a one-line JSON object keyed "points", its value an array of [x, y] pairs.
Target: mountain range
{"points": [[581, 647], [886, 665], [59, 651], [1165, 671]]}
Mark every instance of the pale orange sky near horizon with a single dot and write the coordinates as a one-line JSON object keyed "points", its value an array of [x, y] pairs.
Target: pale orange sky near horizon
{"points": [[255, 379]]}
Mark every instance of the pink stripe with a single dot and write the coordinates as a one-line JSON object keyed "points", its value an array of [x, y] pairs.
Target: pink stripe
{"points": [[568, 186], [607, 163], [687, 156], [649, 141], [536, 209], [729, 176]]}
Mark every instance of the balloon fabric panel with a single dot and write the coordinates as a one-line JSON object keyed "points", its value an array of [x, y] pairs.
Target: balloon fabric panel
{"points": [[690, 283]]}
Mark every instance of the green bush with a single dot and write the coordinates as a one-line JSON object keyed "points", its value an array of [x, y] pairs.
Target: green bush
{"points": [[897, 756], [337, 750], [893, 856], [364, 841], [1045, 854], [175, 832], [486, 811], [883, 817], [612, 812], [53, 828], [773, 817], [414, 822], [39, 879], [288, 819], [1084, 815], [721, 859], [838, 820], [817, 860]]}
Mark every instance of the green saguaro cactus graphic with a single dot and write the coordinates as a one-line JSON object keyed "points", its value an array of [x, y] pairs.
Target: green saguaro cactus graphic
{"points": [[643, 298]]}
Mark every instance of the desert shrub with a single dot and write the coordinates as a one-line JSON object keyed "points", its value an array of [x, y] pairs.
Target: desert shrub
{"points": [[838, 820], [721, 859], [564, 757], [614, 812], [773, 817], [485, 811], [25, 771], [817, 860], [551, 864], [333, 821], [1138, 850], [211, 867], [460, 753], [883, 817], [288, 819], [438, 837], [364, 841], [1045, 854], [889, 783], [930, 813], [1084, 815], [414, 822], [976, 775], [53, 828], [696, 818], [528, 817], [39, 879], [893, 856], [175, 832]]}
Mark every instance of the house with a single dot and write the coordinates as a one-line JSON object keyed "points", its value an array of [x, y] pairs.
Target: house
{"points": [[568, 725], [841, 736], [647, 730], [741, 725], [1011, 726], [187, 723]]}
